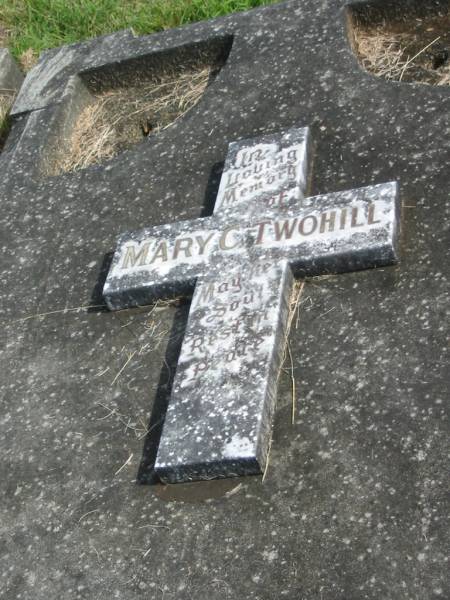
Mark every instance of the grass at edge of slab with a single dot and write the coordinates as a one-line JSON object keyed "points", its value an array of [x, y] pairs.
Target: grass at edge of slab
{"points": [[37, 25], [5, 104]]}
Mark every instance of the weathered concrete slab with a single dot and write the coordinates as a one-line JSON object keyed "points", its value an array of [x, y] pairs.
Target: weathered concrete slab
{"points": [[354, 503]]}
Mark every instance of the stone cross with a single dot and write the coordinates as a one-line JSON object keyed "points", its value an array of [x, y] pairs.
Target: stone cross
{"points": [[241, 262]]}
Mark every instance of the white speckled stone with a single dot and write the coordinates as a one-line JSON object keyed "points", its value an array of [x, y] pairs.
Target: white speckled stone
{"points": [[355, 501]]}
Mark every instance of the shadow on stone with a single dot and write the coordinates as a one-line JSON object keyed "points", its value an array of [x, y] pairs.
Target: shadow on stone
{"points": [[203, 491], [212, 189], [97, 303], [146, 474]]}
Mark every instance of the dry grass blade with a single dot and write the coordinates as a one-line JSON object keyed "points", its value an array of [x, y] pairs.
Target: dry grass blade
{"points": [[61, 311], [125, 464], [293, 310], [294, 306], [266, 469], [293, 384], [411, 60], [129, 359], [382, 54]]}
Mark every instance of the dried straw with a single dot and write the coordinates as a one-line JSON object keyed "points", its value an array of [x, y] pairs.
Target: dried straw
{"points": [[394, 55], [122, 117], [6, 100]]}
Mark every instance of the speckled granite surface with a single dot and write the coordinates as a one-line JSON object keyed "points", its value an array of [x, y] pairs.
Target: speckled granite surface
{"points": [[354, 504]]}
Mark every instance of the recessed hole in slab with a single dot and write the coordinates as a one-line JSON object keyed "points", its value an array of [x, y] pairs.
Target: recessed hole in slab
{"points": [[403, 41], [6, 100], [129, 102]]}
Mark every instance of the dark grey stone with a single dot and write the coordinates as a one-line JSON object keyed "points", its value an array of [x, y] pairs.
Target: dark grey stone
{"points": [[220, 415], [11, 77], [355, 501]]}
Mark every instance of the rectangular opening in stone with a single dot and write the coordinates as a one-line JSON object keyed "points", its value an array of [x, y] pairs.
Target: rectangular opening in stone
{"points": [[6, 100], [122, 104], [407, 42], [10, 81]]}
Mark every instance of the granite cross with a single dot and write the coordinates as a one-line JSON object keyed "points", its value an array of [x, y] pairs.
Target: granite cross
{"points": [[241, 262]]}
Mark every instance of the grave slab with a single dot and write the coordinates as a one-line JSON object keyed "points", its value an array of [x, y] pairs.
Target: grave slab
{"points": [[354, 503]]}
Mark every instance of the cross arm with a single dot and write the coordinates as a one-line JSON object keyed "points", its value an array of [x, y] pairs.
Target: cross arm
{"points": [[338, 232], [343, 231], [165, 261], [161, 261]]}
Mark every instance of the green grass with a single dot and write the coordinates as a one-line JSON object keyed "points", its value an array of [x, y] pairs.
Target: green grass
{"points": [[42, 24]]}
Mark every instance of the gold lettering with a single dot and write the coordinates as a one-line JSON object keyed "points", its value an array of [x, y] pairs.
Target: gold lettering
{"points": [[256, 155], [327, 221], [197, 343], [241, 160], [233, 178], [303, 222], [230, 356], [237, 283], [229, 196], [284, 229], [255, 187], [355, 218], [343, 218], [259, 237], [132, 259], [202, 243], [200, 367], [282, 201], [223, 240], [371, 215], [183, 245], [216, 313], [205, 293], [161, 253]]}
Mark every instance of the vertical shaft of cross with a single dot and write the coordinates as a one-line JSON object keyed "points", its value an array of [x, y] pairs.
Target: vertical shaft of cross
{"points": [[220, 414]]}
